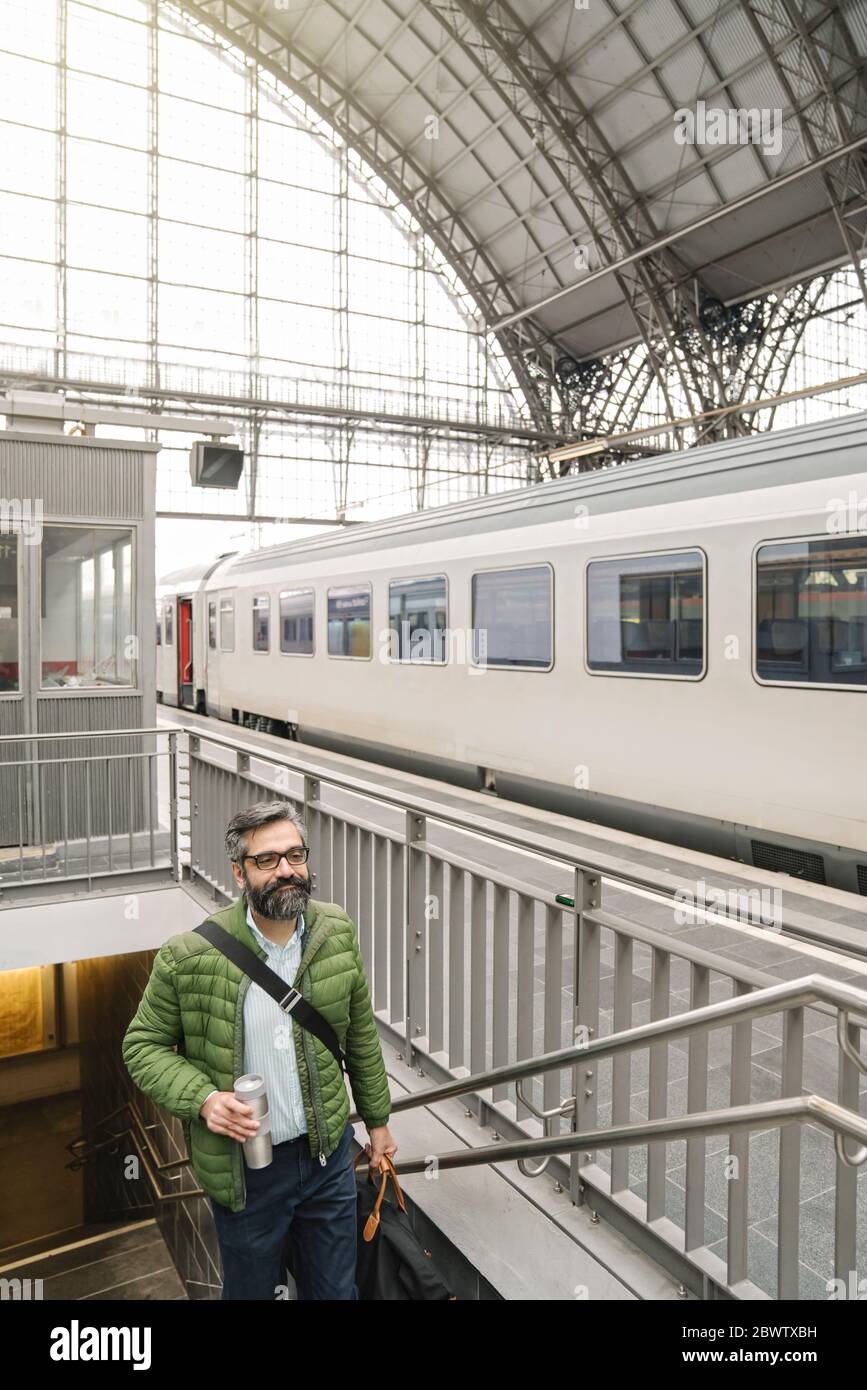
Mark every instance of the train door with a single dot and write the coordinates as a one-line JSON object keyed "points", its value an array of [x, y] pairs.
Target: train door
{"points": [[186, 694], [212, 660]]}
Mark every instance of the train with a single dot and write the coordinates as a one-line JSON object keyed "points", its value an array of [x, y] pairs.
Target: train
{"points": [[675, 647]]}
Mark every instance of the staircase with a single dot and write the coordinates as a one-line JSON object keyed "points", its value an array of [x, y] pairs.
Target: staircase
{"points": [[93, 1262]]}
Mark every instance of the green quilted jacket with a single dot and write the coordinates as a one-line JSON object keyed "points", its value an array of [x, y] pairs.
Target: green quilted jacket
{"points": [[195, 999]]}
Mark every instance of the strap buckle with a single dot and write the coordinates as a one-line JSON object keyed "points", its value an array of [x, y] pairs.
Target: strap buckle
{"points": [[287, 1008]]}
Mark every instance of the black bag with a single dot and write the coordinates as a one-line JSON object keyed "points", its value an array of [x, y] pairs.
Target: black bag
{"points": [[392, 1264]]}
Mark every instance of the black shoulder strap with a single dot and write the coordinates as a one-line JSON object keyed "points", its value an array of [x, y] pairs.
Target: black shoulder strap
{"points": [[285, 995]]}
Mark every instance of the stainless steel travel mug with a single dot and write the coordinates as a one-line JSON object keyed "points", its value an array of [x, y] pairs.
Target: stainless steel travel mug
{"points": [[251, 1090]]}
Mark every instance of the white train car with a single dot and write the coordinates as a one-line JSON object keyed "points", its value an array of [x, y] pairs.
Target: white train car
{"points": [[677, 647], [182, 636]]}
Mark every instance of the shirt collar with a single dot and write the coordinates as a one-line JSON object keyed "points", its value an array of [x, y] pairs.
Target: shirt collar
{"points": [[266, 941]]}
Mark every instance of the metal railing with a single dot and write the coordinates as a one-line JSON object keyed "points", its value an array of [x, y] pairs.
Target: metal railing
{"points": [[83, 1149], [787, 1114], [474, 969], [78, 807], [477, 971]]}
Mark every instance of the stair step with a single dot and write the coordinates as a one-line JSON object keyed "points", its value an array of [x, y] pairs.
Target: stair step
{"points": [[122, 1262]]}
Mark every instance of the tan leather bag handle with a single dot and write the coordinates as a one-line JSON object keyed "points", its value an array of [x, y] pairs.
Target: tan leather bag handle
{"points": [[387, 1170]]}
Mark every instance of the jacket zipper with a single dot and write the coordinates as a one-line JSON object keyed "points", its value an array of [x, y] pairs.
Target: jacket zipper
{"points": [[241, 1184], [311, 1064]]}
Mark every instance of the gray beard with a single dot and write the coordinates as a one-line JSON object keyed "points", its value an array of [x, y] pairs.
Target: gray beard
{"points": [[279, 905]]}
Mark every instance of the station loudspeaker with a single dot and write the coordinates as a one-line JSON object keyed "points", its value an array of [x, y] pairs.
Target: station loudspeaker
{"points": [[216, 465]]}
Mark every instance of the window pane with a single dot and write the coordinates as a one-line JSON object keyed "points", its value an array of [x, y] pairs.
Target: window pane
{"points": [[512, 617], [261, 609], [28, 227], [86, 606], [202, 318], [376, 287], [9, 661], [291, 155], [295, 333], [645, 616], [105, 43], [31, 27], [101, 240], [298, 273], [199, 256], [811, 612], [28, 91], [28, 160], [212, 626], [291, 214], [99, 108], [107, 175], [372, 232], [170, 637], [203, 134], [227, 625], [349, 622], [296, 621], [192, 193], [191, 67], [107, 306], [27, 294], [417, 617]]}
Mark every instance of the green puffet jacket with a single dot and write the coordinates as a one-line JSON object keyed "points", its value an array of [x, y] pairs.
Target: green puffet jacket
{"points": [[195, 999]]}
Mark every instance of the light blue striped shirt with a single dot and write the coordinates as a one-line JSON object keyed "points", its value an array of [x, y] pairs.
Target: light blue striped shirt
{"points": [[269, 1041]]}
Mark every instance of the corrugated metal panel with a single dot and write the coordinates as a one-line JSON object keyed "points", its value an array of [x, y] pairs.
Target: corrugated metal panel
{"points": [[112, 785], [66, 714], [13, 805], [74, 479]]}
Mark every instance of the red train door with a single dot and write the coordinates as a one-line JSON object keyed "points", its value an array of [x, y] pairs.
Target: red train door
{"points": [[186, 694]]}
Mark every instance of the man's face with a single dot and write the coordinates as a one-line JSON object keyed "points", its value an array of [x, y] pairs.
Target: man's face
{"points": [[278, 894]]}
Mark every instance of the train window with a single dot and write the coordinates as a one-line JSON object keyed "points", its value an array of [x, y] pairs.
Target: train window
{"points": [[9, 662], [212, 625], [159, 625], [227, 625], [417, 618], [86, 589], [645, 615], [170, 636], [261, 617], [296, 622], [512, 617], [349, 621], [811, 612]]}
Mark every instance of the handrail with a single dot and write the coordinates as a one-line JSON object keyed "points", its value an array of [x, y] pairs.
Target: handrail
{"points": [[590, 861], [807, 1109], [843, 1123], [467, 820], [790, 994], [151, 1163]]}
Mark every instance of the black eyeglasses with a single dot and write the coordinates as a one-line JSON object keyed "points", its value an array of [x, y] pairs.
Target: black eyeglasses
{"points": [[270, 858]]}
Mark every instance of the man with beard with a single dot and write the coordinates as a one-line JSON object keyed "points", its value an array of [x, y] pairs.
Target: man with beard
{"points": [[228, 1026]]}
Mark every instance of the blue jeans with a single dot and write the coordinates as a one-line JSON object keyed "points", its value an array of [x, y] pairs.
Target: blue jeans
{"points": [[317, 1202]]}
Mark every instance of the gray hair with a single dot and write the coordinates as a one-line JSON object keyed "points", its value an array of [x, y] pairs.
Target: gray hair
{"points": [[252, 817]]}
